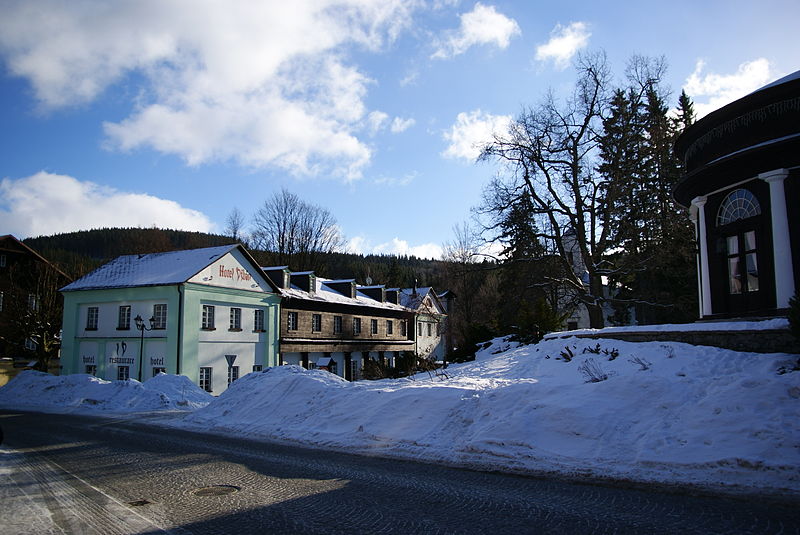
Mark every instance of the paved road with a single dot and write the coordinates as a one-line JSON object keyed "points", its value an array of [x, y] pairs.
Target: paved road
{"points": [[74, 474]]}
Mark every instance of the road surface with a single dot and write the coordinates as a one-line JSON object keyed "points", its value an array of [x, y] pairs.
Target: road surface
{"points": [[83, 474]]}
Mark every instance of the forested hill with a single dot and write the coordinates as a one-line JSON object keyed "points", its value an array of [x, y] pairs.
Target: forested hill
{"points": [[77, 253]]}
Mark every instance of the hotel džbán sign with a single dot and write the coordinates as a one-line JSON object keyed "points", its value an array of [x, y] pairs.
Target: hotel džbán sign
{"points": [[229, 272], [234, 273]]}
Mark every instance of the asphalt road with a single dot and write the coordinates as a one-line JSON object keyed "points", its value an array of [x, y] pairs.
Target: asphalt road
{"points": [[78, 474]]}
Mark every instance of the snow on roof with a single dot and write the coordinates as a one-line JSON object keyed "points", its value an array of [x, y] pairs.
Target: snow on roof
{"points": [[412, 298], [329, 295], [153, 269], [788, 78], [733, 325]]}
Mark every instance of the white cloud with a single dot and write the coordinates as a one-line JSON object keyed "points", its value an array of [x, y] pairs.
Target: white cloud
{"points": [[376, 120], [401, 125], [47, 203], [361, 245], [471, 131], [257, 83], [564, 43], [481, 26], [405, 180], [719, 89]]}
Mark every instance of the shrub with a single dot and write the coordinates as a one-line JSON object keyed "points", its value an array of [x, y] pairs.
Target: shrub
{"points": [[592, 371]]}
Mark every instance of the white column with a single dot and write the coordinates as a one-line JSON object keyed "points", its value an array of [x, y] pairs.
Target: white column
{"points": [[705, 285], [693, 216], [781, 246]]}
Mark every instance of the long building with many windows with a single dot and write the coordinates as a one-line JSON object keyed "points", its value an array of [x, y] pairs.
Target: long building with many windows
{"points": [[338, 325], [209, 314]]}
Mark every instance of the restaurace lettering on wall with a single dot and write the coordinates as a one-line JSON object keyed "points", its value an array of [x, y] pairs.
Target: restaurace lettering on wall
{"points": [[234, 273]]}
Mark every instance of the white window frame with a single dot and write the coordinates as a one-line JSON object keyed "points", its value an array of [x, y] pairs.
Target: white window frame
{"points": [[316, 323], [389, 327], [124, 318], [91, 369], [430, 329], [337, 324], [356, 325], [92, 318], [207, 322], [160, 316], [123, 373], [292, 321], [373, 326], [30, 344], [233, 374], [206, 377], [235, 323], [258, 320], [258, 367]]}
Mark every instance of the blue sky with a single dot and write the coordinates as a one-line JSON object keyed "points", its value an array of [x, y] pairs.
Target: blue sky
{"points": [[172, 113]]}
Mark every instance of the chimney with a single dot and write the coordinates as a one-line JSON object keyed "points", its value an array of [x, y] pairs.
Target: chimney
{"points": [[305, 280], [279, 275]]}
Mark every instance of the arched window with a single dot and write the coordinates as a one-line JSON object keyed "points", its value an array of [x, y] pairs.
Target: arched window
{"points": [[739, 204]]}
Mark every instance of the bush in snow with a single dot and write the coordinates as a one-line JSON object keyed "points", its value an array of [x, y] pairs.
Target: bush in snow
{"points": [[592, 371], [642, 363], [567, 355]]}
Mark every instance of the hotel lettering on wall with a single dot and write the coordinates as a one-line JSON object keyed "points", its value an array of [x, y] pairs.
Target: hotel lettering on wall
{"points": [[234, 273], [118, 357], [156, 361]]}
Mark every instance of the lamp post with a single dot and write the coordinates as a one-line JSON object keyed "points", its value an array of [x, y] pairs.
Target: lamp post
{"points": [[142, 328]]}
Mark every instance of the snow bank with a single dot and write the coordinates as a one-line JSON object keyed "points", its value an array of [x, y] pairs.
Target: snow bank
{"points": [[759, 325], [656, 412], [671, 413], [85, 393]]}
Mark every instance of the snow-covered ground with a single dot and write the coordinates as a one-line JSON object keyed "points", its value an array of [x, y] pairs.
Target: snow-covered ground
{"points": [[657, 412]]}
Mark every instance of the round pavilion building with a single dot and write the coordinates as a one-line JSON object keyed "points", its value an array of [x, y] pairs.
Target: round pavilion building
{"points": [[742, 185]]}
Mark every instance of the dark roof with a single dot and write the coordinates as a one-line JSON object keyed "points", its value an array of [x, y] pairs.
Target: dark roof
{"points": [[753, 134], [13, 241]]}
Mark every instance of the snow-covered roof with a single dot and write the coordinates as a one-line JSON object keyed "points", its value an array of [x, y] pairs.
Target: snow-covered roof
{"points": [[324, 293], [414, 298], [788, 78], [152, 269]]}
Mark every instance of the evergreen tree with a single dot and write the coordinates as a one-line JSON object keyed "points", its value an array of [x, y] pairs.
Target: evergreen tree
{"points": [[653, 232]]}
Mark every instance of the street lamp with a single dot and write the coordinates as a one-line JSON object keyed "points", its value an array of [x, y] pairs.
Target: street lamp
{"points": [[142, 328]]}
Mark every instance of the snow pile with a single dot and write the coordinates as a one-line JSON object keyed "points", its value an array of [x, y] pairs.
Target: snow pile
{"points": [[85, 393], [653, 411], [759, 325]]}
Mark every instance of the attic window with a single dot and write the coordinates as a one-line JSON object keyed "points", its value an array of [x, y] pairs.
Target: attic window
{"points": [[739, 204]]}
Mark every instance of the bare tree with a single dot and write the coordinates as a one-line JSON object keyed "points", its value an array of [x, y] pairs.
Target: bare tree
{"points": [[550, 152], [35, 311], [297, 231], [234, 224]]}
